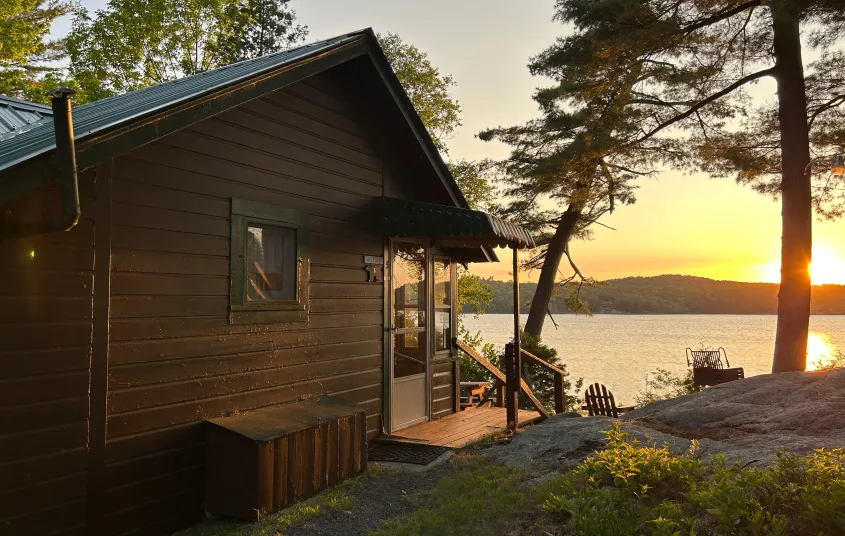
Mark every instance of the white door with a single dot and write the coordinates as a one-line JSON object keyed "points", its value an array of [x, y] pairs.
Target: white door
{"points": [[410, 336]]}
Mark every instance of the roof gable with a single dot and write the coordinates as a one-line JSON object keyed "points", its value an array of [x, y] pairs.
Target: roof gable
{"points": [[112, 126]]}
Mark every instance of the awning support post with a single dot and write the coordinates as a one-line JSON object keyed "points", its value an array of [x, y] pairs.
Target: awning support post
{"points": [[513, 355]]}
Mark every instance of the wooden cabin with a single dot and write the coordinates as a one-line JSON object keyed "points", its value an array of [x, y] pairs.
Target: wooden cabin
{"points": [[267, 232]]}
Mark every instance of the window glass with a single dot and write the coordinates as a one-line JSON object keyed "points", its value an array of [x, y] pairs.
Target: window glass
{"points": [[271, 263]]}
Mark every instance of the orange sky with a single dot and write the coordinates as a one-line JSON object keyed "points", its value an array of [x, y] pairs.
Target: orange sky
{"points": [[697, 226]]}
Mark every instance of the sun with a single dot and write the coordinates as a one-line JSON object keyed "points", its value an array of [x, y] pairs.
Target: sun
{"points": [[827, 268]]}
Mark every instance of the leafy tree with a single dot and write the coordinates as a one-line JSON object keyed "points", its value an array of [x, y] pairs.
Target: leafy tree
{"points": [[428, 89], [27, 57], [136, 43], [676, 73], [259, 27], [475, 183]]}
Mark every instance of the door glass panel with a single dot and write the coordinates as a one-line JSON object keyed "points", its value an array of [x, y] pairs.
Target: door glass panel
{"points": [[442, 305], [409, 286], [442, 283], [442, 329], [409, 353]]}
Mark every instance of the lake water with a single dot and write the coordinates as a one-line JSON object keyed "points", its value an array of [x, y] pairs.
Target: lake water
{"points": [[620, 350]]}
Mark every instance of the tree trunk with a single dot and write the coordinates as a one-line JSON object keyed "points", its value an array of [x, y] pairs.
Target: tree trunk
{"points": [[797, 241], [546, 283]]}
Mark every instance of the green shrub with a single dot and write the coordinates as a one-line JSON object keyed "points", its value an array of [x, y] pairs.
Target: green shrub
{"points": [[541, 380], [663, 385], [629, 489]]}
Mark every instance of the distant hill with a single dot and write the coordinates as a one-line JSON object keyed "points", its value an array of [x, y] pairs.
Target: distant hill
{"points": [[673, 294]]}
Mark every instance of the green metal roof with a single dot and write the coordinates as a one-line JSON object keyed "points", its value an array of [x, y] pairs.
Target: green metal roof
{"points": [[454, 227]]}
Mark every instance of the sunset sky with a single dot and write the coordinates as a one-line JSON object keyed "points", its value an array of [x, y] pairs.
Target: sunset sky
{"points": [[680, 224]]}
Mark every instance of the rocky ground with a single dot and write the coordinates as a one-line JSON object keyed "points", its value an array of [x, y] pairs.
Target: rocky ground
{"points": [[747, 421]]}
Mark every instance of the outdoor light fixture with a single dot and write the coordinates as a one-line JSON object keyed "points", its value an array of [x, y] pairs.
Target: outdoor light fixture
{"points": [[837, 167]]}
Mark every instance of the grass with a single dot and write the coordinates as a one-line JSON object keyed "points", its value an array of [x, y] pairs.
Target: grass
{"points": [[627, 489], [333, 499], [476, 497]]}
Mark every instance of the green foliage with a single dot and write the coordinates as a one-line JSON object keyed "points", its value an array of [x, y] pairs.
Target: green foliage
{"points": [[259, 27], [471, 371], [630, 489], [541, 380], [428, 89], [473, 294], [27, 56], [478, 189], [663, 385], [136, 43], [476, 498]]}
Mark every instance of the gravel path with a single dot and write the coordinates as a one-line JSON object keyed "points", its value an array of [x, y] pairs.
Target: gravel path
{"points": [[377, 498]]}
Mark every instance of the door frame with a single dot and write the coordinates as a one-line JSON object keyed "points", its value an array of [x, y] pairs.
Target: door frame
{"points": [[388, 424]]}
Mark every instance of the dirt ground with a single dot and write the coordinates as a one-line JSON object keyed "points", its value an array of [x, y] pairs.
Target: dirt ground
{"points": [[382, 496]]}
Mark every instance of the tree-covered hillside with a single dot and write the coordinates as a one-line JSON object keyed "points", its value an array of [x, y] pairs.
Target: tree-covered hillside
{"points": [[672, 294]]}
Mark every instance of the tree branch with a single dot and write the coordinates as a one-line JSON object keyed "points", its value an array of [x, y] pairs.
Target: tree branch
{"points": [[832, 103], [728, 13], [704, 102]]}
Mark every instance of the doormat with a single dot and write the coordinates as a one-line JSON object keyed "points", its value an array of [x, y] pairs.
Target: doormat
{"points": [[404, 453]]}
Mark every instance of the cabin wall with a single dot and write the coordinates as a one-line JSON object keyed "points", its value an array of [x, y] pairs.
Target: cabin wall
{"points": [[174, 359], [46, 308]]}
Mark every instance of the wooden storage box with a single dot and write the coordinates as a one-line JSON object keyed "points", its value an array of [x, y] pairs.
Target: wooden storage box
{"points": [[261, 461]]}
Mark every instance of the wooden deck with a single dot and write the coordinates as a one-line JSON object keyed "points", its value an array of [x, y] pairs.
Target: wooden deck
{"points": [[459, 429]]}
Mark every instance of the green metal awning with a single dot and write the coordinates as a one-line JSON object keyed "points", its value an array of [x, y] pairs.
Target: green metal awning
{"points": [[453, 227]]}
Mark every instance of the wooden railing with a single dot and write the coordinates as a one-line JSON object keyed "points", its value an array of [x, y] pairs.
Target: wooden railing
{"points": [[560, 397], [500, 381]]}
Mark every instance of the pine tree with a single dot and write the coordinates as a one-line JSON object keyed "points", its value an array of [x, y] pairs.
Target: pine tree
{"points": [[676, 74]]}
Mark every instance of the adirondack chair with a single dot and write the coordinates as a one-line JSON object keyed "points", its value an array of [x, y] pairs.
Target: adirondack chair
{"points": [[598, 400], [707, 367]]}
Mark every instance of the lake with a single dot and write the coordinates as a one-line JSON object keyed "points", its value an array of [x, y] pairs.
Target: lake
{"points": [[620, 350]]}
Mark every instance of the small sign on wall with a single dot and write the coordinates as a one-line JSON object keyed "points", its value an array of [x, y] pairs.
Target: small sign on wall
{"points": [[374, 267]]}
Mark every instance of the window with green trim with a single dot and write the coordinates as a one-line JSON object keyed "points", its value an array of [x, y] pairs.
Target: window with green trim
{"points": [[269, 264]]}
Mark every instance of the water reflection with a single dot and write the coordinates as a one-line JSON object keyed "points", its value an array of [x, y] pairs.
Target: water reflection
{"points": [[821, 352]]}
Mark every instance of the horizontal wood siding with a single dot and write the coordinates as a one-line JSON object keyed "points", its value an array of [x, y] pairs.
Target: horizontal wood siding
{"points": [[46, 285], [174, 359]]}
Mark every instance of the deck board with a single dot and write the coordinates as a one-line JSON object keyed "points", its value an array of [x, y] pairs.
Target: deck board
{"points": [[459, 429]]}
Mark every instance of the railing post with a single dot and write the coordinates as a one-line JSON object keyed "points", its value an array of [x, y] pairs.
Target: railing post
{"points": [[500, 395], [511, 387], [513, 373], [559, 405]]}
